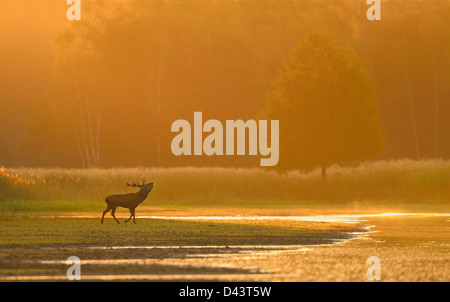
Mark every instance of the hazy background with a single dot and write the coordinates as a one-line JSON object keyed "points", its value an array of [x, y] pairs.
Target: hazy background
{"points": [[103, 91]]}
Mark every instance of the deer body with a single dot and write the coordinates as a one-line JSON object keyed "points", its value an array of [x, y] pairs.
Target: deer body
{"points": [[129, 201]]}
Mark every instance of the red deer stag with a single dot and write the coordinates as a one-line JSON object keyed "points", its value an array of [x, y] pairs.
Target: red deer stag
{"points": [[129, 201]]}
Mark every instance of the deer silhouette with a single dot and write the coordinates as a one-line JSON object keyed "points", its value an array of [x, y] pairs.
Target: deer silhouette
{"points": [[129, 201]]}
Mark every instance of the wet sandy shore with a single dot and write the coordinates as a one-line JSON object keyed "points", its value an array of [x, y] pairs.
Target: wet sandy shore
{"points": [[411, 247]]}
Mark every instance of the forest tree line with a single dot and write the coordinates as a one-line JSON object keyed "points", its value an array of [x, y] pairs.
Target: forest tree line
{"points": [[119, 77]]}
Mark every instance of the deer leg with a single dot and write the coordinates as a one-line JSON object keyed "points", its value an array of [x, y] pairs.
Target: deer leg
{"points": [[131, 215], [134, 215], [112, 214], [105, 211]]}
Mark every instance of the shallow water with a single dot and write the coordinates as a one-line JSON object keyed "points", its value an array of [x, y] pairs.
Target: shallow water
{"points": [[340, 218], [172, 277]]}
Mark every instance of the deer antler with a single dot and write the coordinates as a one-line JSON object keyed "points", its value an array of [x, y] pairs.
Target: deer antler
{"points": [[134, 184], [144, 182]]}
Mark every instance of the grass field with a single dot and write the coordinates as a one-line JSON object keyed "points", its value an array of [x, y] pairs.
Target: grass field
{"points": [[377, 183]]}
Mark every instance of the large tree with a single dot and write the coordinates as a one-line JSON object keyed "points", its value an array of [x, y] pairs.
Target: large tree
{"points": [[326, 105]]}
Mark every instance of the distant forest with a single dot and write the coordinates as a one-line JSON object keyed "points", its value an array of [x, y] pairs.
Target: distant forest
{"points": [[104, 91]]}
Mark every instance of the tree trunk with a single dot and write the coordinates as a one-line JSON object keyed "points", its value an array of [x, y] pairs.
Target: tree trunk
{"points": [[158, 108], [413, 117], [324, 173], [79, 147], [436, 106]]}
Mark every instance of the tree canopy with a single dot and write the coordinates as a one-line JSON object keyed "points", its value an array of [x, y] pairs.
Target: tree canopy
{"points": [[326, 105]]}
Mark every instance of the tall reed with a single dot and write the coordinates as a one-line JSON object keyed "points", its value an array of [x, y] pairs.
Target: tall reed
{"points": [[400, 180]]}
